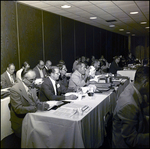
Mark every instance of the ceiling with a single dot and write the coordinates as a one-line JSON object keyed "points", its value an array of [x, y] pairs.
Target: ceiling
{"points": [[103, 10]]}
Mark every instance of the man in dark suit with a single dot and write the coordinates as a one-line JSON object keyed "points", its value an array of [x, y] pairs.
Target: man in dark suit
{"points": [[47, 66], [50, 90], [8, 78], [23, 100], [39, 69], [130, 123], [114, 67]]}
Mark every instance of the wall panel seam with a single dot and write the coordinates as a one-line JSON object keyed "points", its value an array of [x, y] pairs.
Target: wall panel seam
{"points": [[18, 35]]}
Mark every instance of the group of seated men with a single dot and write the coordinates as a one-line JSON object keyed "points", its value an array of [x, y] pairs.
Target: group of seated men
{"points": [[129, 115]]}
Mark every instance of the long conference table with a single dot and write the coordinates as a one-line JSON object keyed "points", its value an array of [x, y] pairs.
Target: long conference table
{"points": [[67, 126]]}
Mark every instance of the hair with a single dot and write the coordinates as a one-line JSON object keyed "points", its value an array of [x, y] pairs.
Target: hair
{"points": [[95, 61], [60, 66], [52, 69], [142, 71], [79, 64], [24, 72], [25, 64], [8, 66], [61, 62]]}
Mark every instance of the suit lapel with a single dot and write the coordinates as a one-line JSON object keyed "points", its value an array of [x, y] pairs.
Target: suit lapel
{"points": [[7, 78], [50, 82], [24, 93]]}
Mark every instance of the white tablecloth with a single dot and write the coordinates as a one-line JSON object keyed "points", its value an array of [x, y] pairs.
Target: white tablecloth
{"points": [[127, 73], [48, 130], [5, 116]]}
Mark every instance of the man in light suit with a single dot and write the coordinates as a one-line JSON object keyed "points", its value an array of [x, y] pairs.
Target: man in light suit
{"points": [[39, 69], [50, 90], [130, 123], [8, 78], [79, 77], [23, 100]]}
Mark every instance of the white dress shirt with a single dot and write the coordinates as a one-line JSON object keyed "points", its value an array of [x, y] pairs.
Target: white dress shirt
{"points": [[18, 74], [41, 73], [11, 78], [53, 82]]}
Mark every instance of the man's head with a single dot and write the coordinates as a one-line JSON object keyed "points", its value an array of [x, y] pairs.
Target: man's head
{"points": [[26, 65], [54, 72], [11, 68], [41, 64], [62, 68], [96, 64], [117, 59], [142, 79], [28, 77], [81, 67], [48, 64]]}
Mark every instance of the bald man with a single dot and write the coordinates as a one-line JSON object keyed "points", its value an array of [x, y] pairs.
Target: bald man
{"points": [[23, 100], [39, 69]]}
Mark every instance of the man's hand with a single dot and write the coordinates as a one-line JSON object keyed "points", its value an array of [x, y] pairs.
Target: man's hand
{"points": [[71, 97], [46, 106]]}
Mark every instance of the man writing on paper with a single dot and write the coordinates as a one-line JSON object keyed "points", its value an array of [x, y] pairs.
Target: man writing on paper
{"points": [[23, 100], [50, 90]]}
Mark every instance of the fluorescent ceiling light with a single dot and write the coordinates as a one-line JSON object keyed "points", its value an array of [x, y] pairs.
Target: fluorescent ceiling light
{"points": [[134, 12], [143, 22], [93, 17], [121, 29], [128, 32], [65, 6], [111, 25], [147, 27]]}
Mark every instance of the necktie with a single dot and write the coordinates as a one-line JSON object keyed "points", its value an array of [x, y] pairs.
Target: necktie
{"points": [[12, 80], [29, 93]]}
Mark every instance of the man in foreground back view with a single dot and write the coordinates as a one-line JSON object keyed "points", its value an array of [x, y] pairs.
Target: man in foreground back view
{"points": [[23, 100], [130, 124]]}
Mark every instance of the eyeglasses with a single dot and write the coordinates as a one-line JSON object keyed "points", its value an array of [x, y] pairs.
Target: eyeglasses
{"points": [[30, 80], [64, 69], [57, 73]]}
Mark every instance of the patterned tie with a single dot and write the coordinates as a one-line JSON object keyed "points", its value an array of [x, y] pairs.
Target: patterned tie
{"points": [[12, 79], [29, 93]]}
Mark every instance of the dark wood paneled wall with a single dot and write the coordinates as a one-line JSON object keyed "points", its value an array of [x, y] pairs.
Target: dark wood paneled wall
{"points": [[52, 37], [32, 34], [9, 48], [68, 42]]}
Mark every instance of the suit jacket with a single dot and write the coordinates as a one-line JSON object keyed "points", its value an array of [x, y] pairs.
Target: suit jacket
{"points": [[129, 125], [37, 72], [47, 91], [5, 81], [114, 68], [21, 104], [76, 80]]}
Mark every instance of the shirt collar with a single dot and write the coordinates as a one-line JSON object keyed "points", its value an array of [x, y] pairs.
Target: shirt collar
{"points": [[26, 88], [138, 93], [53, 81]]}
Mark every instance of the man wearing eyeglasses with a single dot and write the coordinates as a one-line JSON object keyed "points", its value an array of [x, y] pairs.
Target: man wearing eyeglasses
{"points": [[79, 77], [23, 100], [50, 90]]}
